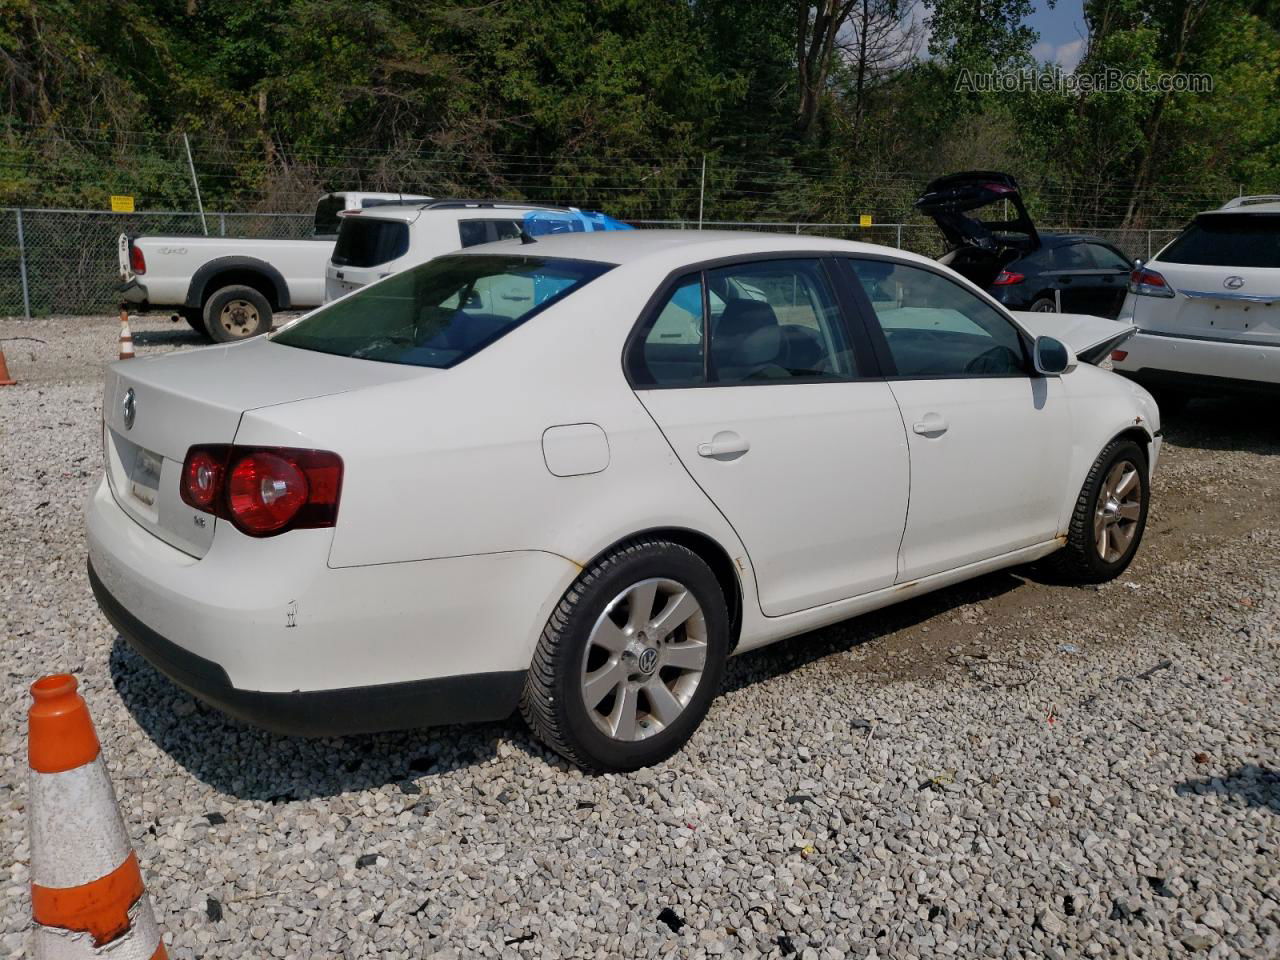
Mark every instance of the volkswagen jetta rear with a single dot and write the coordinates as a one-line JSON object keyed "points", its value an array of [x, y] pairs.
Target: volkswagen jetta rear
{"points": [[216, 537]]}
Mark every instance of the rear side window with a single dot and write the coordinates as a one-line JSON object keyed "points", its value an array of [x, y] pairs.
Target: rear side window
{"points": [[440, 312], [367, 242], [1073, 256], [769, 321], [1228, 240], [474, 232]]}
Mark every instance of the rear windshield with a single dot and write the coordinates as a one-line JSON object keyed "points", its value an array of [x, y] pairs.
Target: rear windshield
{"points": [[327, 211], [1228, 240], [367, 243], [440, 312]]}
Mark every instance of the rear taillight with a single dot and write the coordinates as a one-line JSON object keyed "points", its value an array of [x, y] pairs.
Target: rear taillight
{"points": [[1147, 283], [137, 262], [263, 490], [1119, 355], [1007, 278]]}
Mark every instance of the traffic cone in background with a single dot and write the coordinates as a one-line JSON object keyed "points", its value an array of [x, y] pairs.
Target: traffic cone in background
{"points": [[87, 897], [126, 338], [5, 379]]}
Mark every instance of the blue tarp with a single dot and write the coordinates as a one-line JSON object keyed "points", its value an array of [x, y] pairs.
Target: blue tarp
{"points": [[541, 222]]}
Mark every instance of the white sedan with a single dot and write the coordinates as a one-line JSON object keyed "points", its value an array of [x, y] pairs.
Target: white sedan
{"points": [[574, 475]]}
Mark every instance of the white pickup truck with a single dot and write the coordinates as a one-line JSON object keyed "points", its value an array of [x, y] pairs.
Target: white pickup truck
{"points": [[228, 287]]}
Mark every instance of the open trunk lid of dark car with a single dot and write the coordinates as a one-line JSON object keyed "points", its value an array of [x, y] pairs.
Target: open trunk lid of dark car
{"points": [[979, 249]]}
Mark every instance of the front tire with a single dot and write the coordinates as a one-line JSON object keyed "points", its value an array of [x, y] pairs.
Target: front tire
{"points": [[630, 660], [1110, 516], [236, 313], [1044, 305]]}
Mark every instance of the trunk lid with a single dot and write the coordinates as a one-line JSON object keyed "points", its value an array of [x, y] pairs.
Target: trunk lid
{"points": [[979, 249], [1225, 269], [155, 409], [1090, 338]]}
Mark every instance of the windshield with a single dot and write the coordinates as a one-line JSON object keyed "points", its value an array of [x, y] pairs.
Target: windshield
{"points": [[440, 312], [1228, 240]]}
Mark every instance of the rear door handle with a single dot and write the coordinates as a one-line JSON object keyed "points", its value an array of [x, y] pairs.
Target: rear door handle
{"points": [[930, 425], [725, 445]]}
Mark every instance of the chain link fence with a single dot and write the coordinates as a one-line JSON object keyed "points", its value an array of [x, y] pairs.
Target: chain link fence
{"points": [[67, 261]]}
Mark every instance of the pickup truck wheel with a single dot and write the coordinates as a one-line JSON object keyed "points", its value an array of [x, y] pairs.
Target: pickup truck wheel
{"points": [[236, 313], [195, 320]]}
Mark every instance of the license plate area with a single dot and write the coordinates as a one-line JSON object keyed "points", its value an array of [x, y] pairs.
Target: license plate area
{"points": [[144, 478]]}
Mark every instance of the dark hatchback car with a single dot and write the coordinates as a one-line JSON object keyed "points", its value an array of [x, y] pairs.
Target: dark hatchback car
{"points": [[1019, 266]]}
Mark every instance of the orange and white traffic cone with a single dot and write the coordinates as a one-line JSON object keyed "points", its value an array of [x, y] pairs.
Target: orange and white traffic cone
{"points": [[126, 338], [5, 379], [87, 897]]}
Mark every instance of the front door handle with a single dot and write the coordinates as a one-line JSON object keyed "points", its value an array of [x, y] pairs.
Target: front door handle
{"points": [[725, 445], [930, 425]]}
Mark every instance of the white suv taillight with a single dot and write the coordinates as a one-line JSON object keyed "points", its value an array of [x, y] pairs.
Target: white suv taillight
{"points": [[1147, 283]]}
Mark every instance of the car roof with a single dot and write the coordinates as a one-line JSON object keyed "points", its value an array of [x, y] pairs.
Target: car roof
{"points": [[680, 246], [1267, 203]]}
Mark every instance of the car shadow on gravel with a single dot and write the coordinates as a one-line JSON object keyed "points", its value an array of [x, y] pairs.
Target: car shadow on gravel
{"points": [[890, 657], [253, 764], [1250, 784], [1226, 424]]}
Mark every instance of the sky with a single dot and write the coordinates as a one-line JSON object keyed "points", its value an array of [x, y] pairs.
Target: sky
{"points": [[1062, 32]]}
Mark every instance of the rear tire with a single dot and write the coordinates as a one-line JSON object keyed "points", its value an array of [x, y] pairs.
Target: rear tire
{"points": [[236, 313], [1044, 305], [630, 660], [195, 320], [1109, 518]]}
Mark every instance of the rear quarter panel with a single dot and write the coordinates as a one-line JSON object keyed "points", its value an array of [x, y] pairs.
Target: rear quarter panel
{"points": [[453, 465]]}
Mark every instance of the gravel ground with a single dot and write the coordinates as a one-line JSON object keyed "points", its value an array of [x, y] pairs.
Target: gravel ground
{"points": [[1008, 768]]}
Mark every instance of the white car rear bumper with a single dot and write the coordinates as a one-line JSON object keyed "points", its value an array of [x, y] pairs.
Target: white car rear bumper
{"points": [[1161, 360], [265, 630]]}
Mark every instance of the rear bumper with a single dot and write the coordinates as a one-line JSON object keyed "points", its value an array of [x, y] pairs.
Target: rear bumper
{"points": [[133, 292], [267, 631], [319, 713], [1201, 365]]}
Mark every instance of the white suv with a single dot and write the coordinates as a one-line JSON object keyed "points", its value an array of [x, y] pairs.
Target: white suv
{"points": [[373, 244], [1207, 307]]}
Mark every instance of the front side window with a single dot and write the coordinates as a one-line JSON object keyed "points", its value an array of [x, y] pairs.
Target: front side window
{"points": [[440, 312], [760, 322], [934, 327]]}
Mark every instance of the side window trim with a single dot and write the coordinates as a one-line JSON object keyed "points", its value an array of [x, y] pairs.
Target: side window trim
{"points": [[881, 345], [861, 343]]}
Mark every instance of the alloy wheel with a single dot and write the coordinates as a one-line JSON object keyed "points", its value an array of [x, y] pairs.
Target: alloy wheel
{"points": [[644, 659], [1117, 511]]}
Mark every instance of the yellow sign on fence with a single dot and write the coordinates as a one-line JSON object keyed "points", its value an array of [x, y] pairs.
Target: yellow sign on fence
{"points": [[122, 204], [864, 219]]}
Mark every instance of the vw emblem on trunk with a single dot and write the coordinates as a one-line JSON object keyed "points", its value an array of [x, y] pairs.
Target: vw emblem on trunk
{"points": [[1233, 283], [129, 407]]}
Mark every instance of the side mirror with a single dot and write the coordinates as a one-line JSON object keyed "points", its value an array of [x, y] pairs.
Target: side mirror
{"points": [[1051, 356]]}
